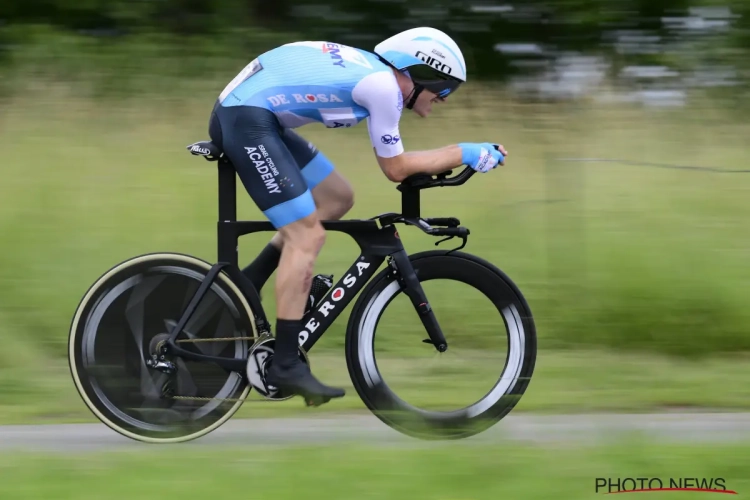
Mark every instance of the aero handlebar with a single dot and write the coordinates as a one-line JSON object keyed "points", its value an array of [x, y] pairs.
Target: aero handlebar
{"points": [[460, 231], [412, 185], [426, 181]]}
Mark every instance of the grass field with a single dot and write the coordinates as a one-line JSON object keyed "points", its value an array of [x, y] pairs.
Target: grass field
{"points": [[636, 275], [357, 471], [572, 382]]}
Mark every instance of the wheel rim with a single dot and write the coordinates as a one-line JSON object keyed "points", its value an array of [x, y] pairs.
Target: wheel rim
{"points": [[503, 387]]}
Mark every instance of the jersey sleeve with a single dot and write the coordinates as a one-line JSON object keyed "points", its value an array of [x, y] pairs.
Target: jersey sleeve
{"points": [[380, 95]]}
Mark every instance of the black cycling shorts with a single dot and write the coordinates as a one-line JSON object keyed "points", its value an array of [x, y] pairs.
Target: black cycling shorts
{"points": [[277, 167]]}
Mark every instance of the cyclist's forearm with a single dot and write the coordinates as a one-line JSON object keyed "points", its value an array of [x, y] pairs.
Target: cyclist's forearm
{"points": [[432, 161]]}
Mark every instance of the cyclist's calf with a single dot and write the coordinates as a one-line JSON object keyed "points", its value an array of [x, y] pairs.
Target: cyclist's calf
{"points": [[303, 240]]}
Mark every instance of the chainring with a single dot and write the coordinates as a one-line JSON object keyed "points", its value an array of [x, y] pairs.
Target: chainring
{"points": [[259, 360]]}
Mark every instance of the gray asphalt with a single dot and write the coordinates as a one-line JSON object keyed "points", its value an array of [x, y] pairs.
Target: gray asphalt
{"points": [[366, 429]]}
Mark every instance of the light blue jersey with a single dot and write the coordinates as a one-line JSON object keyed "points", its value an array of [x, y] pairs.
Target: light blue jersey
{"points": [[307, 82], [291, 86]]}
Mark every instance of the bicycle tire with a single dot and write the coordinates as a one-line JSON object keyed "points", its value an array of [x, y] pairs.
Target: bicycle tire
{"points": [[416, 422]]}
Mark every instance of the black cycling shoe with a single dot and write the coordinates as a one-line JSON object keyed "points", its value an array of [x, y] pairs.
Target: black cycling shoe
{"points": [[298, 379]]}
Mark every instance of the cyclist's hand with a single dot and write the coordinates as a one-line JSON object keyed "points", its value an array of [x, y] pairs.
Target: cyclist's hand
{"points": [[482, 157]]}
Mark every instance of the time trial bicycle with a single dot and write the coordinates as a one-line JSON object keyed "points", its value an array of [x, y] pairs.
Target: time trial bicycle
{"points": [[165, 347]]}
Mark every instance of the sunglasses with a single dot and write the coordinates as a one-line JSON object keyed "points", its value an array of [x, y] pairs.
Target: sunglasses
{"points": [[429, 79], [440, 87]]}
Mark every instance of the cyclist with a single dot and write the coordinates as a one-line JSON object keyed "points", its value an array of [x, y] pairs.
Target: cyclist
{"points": [[296, 186]]}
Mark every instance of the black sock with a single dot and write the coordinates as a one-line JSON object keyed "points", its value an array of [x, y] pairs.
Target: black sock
{"points": [[287, 341], [263, 266]]}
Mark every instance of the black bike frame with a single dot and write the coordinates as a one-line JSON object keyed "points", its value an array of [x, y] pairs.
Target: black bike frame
{"points": [[377, 238]]}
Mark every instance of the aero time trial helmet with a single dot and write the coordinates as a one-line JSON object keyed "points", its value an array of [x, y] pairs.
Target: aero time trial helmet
{"points": [[429, 57]]}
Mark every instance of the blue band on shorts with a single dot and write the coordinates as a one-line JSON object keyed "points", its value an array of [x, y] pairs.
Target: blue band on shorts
{"points": [[292, 210], [318, 169]]}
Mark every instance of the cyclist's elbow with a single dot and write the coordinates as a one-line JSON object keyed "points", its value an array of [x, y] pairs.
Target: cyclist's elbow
{"points": [[394, 168], [395, 175]]}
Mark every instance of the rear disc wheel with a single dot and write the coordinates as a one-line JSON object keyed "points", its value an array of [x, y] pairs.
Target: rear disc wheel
{"points": [[115, 344]]}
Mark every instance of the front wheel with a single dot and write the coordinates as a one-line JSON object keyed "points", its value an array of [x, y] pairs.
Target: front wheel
{"points": [[117, 333], [377, 376]]}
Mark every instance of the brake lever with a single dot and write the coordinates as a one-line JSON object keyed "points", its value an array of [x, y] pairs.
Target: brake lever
{"points": [[464, 239]]}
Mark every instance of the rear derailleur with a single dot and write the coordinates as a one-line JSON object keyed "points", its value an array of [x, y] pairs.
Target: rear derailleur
{"points": [[158, 350]]}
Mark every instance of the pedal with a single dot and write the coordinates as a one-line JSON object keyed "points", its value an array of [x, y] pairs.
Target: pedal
{"points": [[259, 360], [321, 284]]}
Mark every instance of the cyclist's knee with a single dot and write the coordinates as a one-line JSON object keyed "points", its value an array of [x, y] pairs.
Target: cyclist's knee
{"points": [[339, 204], [345, 200], [304, 236], [334, 197], [315, 238]]}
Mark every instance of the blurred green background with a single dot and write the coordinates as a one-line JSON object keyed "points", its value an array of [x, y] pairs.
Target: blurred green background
{"points": [[632, 257]]}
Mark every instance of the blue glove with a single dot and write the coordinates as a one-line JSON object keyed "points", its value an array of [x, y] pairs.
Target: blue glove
{"points": [[481, 157]]}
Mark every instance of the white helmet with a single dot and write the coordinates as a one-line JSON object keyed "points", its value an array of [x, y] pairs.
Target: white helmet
{"points": [[430, 57]]}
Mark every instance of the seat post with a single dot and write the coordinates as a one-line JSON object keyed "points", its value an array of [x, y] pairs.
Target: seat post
{"points": [[227, 192], [227, 234]]}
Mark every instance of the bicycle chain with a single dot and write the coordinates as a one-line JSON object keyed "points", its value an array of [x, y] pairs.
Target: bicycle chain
{"points": [[231, 400], [220, 339]]}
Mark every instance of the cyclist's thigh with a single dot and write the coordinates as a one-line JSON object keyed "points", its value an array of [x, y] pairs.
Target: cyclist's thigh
{"points": [[314, 164], [250, 137]]}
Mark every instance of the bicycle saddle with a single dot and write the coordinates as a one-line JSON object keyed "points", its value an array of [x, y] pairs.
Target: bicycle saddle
{"points": [[206, 149]]}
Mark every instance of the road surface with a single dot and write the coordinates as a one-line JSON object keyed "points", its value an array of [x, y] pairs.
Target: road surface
{"points": [[679, 427]]}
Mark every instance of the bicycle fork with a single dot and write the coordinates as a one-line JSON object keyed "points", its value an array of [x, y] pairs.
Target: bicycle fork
{"points": [[411, 286]]}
